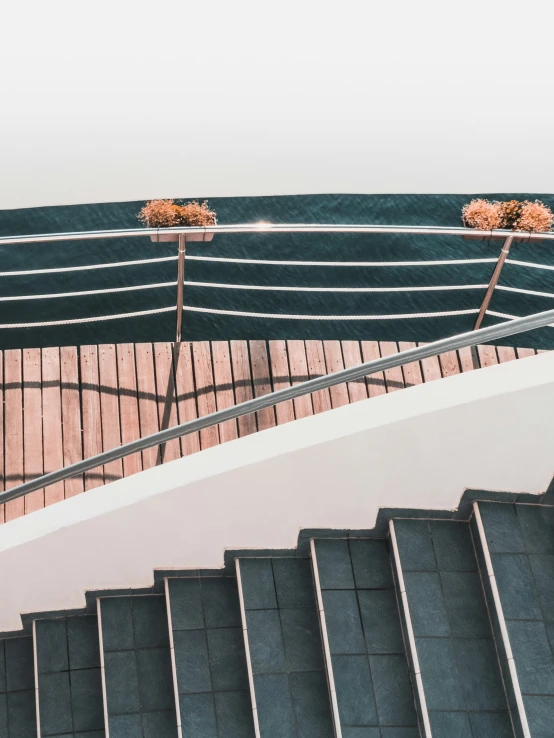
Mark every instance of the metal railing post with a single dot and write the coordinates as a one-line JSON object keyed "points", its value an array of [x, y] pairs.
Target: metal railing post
{"points": [[180, 285], [494, 281]]}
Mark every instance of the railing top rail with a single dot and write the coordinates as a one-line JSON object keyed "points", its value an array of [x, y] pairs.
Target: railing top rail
{"points": [[272, 228], [453, 343]]}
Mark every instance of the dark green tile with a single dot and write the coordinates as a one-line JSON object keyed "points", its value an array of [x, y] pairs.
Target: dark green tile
{"points": [[221, 602], [117, 623], [491, 725], [502, 529], [361, 733], [51, 640], [55, 704], [426, 604], [393, 693], [542, 567], [354, 690], [83, 641], [533, 656], [198, 716], [192, 661], [156, 679], [227, 659], [450, 725], [91, 734], [333, 564], [301, 635], [3, 683], [539, 715], [537, 525], [380, 621], [22, 714], [4, 715], [453, 546], [439, 672], [480, 674], [86, 699], [265, 639], [258, 588], [150, 621], [121, 682], [159, 724], [186, 604], [20, 672], [415, 545], [398, 733], [344, 626], [516, 587], [371, 564], [294, 582], [125, 726], [234, 714], [465, 604], [310, 696], [275, 710]]}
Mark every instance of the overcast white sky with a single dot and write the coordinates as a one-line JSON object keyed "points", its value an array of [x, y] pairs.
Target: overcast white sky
{"points": [[121, 100]]}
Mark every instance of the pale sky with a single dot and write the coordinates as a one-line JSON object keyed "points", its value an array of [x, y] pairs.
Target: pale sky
{"points": [[119, 100]]}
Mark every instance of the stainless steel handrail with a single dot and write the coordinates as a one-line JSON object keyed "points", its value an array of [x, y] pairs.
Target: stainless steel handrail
{"points": [[271, 228], [512, 327]]}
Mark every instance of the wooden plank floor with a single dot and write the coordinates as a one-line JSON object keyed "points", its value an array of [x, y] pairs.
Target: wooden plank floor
{"points": [[61, 405]]}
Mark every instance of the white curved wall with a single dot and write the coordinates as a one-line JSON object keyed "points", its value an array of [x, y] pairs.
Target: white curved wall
{"points": [[420, 448]]}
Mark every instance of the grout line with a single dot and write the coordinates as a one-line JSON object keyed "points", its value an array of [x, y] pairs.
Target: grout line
{"points": [[173, 660], [325, 639], [409, 628], [247, 651], [502, 622], [35, 669], [102, 669]]}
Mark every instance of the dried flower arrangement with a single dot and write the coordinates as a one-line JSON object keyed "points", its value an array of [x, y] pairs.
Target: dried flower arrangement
{"points": [[535, 217], [169, 214], [510, 213], [482, 214]]}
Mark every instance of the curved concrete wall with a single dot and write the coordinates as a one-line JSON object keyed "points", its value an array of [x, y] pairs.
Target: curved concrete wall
{"points": [[492, 429]]}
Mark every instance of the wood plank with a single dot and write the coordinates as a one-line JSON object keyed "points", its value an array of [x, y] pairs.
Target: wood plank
{"points": [[523, 353], [33, 461], [224, 389], [90, 403], [71, 416], [506, 353], [430, 367], [52, 421], [299, 373], [167, 400], [261, 379], [242, 379], [128, 404], [375, 383], [13, 429], [280, 378], [109, 407], [148, 400], [394, 379], [487, 355], [412, 371], [334, 361], [352, 353], [2, 449], [186, 395], [469, 360], [205, 394], [449, 363], [315, 357]]}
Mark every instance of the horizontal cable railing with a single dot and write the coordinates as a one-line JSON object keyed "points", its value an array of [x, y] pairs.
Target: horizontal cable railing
{"points": [[453, 343]]}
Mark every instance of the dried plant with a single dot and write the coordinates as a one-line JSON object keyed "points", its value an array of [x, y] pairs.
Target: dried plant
{"points": [[510, 212], [535, 217], [195, 214], [482, 214], [159, 214]]}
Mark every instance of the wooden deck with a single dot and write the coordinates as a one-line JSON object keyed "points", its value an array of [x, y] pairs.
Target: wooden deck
{"points": [[59, 405]]}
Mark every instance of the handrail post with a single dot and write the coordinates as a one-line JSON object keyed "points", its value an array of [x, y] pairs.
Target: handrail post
{"points": [[494, 281], [180, 285]]}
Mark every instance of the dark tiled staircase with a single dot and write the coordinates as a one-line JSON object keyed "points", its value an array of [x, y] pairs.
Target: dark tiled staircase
{"points": [[432, 627]]}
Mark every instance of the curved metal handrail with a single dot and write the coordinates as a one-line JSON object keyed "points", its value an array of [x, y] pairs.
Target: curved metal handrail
{"points": [[462, 340]]}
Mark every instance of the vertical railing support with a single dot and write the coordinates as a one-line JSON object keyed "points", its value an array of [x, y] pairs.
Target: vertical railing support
{"points": [[494, 281], [180, 285]]}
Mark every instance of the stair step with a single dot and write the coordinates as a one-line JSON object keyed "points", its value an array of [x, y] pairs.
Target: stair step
{"points": [[69, 684], [17, 688], [361, 624], [516, 544], [211, 677], [463, 693], [136, 663], [291, 697]]}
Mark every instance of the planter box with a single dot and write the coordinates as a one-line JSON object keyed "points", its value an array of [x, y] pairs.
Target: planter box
{"points": [[517, 239], [189, 238]]}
